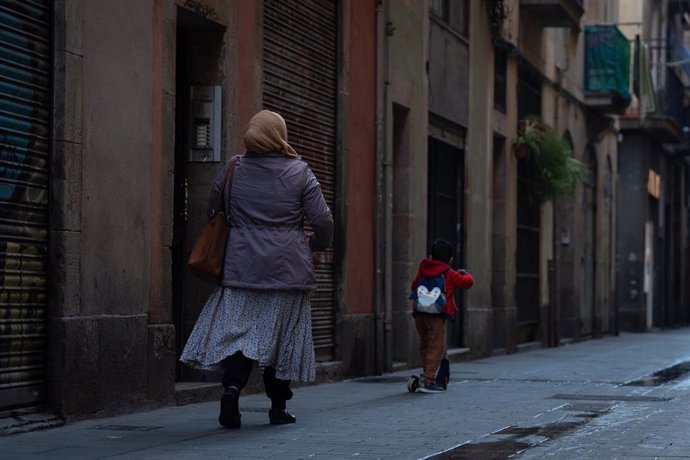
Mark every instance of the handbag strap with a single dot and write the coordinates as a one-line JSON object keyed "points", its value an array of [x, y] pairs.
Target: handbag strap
{"points": [[229, 174], [228, 178]]}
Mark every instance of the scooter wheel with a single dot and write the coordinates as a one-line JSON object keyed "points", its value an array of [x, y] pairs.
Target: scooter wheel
{"points": [[413, 384]]}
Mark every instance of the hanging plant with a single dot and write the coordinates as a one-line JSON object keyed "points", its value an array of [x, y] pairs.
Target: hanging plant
{"points": [[553, 172], [528, 138]]}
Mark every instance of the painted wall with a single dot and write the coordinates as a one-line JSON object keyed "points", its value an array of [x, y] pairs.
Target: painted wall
{"points": [[117, 137], [408, 111], [448, 73], [112, 341], [100, 330], [479, 314], [357, 156], [361, 139]]}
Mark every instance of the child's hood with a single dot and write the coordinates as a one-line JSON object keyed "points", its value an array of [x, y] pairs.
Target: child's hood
{"points": [[430, 268]]}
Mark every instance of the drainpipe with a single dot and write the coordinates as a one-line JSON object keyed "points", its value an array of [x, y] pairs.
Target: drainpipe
{"points": [[379, 249], [388, 181], [552, 273], [383, 301]]}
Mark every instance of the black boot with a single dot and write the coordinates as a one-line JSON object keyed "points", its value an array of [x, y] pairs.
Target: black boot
{"points": [[279, 392], [230, 416], [280, 417]]}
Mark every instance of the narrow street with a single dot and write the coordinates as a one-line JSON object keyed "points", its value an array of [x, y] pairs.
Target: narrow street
{"points": [[541, 145], [616, 397]]}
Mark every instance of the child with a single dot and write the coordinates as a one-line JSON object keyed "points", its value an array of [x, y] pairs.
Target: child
{"points": [[432, 306]]}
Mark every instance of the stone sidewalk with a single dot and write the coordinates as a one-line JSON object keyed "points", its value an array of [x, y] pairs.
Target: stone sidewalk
{"points": [[595, 399]]}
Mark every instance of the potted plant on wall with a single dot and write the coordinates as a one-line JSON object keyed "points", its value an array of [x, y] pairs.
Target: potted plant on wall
{"points": [[527, 140], [553, 172]]}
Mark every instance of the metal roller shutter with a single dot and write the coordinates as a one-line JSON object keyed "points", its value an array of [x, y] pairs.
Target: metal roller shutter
{"points": [[25, 95], [300, 82]]}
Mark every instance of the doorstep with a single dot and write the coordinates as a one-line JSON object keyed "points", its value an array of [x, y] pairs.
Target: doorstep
{"points": [[458, 355], [28, 419], [529, 346]]}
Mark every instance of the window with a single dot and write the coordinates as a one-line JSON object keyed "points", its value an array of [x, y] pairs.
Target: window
{"points": [[500, 77], [459, 15], [440, 9], [454, 14]]}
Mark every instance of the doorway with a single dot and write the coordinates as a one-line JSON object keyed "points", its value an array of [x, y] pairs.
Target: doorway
{"points": [[590, 324], [528, 237], [446, 199], [198, 67]]}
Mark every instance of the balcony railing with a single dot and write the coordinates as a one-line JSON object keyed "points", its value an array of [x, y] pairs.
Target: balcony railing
{"points": [[555, 13]]}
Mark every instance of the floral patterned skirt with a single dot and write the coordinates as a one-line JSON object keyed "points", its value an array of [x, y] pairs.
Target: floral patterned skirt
{"points": [[271, 327]]}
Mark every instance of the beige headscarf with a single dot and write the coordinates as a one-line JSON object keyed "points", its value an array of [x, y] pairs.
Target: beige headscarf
{"points": [[267, 132]]}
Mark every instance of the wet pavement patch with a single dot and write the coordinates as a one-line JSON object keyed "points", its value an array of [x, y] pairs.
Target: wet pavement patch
{"points": [[485, 450], [127, 428], [610, 398], [588, 407], [513, 440], [663, 376]]}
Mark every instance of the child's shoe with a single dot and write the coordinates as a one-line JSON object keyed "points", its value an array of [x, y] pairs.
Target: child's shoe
{"points": [[432, 387]]}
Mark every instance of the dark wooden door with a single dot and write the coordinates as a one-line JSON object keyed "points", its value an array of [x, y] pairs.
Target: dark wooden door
{"points": [[445, 213]]}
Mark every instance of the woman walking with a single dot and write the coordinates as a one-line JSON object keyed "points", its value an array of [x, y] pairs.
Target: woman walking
{"points": [[261, 311]]}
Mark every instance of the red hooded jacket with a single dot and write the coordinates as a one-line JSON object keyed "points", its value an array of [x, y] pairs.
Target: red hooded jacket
{"points": [[431, 268]]}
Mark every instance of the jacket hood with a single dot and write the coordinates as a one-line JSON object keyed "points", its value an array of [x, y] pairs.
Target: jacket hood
{"points": [[430, 268]]}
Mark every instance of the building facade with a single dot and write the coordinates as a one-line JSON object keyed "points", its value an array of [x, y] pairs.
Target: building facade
{"points": [[653, 235], [545, 270], [118, 116]]}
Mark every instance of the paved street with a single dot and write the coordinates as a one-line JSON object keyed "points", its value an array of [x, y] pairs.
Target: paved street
{"points": [[596, 399]]}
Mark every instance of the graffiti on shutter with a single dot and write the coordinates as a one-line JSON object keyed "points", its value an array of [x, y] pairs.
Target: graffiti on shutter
{"points": [[25, 94]]}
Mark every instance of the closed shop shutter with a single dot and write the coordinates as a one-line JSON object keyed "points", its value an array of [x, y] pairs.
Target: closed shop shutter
{"points": [[25, 94], [300, 82]]}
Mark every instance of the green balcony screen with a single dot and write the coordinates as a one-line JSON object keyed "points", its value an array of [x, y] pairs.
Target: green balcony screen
{"points": [[607, 61]]}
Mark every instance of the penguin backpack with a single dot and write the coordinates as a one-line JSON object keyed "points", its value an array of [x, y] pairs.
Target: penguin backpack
{"points": [[430, 294]]}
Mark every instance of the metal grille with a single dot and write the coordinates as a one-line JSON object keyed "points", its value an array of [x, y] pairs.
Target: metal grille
{"points": [[528, 220], [300, 82], [25, 93], [527, 258]]}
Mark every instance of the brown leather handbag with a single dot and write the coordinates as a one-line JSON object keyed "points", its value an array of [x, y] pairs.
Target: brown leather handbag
{"points": [[207, 257]]}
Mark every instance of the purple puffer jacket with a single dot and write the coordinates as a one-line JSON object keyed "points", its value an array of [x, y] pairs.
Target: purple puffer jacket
{"points": [[267, 248]]}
